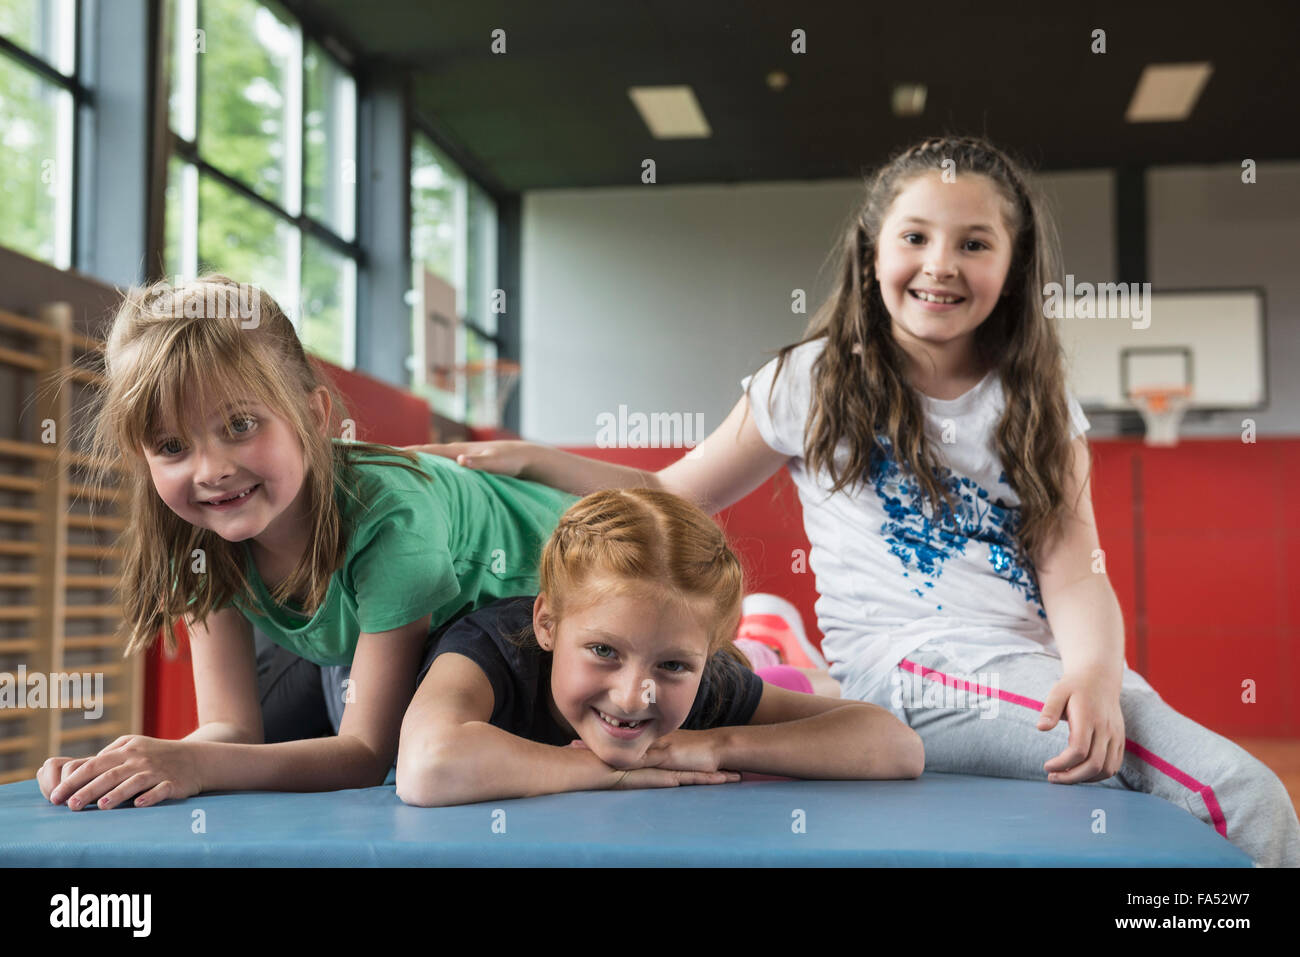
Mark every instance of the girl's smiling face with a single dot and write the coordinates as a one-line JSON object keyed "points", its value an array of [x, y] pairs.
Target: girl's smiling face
{"points": [[950, 239], [242, 447], [630, 659]]}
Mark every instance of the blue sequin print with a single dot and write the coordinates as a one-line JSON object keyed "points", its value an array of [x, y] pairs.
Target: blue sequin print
{"points": [[923, 544]]}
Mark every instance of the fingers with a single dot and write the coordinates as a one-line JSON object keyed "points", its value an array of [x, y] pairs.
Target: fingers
{"points": [[159, 792], [71, 765], [85, 780], [64, 784], [451, 450], [1054, 706], [1064, 768], [470, 457], [133, 785], [1091, 767], [97, 788], [707, 777], [1114, 760], [658, 778], [445, 449], [50, 774], [143, 784]]}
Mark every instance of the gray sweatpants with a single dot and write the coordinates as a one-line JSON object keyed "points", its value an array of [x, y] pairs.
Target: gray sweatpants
{"points": [[993, 732]]}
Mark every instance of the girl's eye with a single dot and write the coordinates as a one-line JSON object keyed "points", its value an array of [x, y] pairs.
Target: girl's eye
{"points": [[163, 447], [600, 651], [247, 421], [969, 241], [674, 667]]}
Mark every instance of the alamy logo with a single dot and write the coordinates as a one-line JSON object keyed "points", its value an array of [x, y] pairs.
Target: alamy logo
{"points": [[84, 690], [1107, 300], [102, 910], [658, 430], [910, 690], [238, 301]]}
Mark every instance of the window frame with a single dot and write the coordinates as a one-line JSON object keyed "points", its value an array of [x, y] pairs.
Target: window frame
{"points": [[189, 152], [492, 342], [66, 251]]}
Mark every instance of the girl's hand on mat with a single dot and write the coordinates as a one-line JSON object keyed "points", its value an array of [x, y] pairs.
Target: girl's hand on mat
{"points": [[503, 456], [53, 772], [628, 780], [152, 768], [653, 777], [1095, 751]]}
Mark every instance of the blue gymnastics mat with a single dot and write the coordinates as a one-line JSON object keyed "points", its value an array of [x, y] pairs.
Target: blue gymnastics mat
{"points": [[937, 820]]}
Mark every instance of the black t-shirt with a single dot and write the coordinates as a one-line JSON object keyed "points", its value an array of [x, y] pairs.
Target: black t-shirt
{"points": [[728, 692]]}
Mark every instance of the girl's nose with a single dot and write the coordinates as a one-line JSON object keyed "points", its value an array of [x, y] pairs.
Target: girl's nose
{"points": [[632, 695], [213, 466], [939, 268]]}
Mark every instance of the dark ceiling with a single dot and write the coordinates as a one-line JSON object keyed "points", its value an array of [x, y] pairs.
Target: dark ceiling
{"points": [[553, 111]]}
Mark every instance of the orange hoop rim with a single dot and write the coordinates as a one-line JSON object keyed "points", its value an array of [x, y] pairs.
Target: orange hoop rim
{"points": [[1157, 397]]}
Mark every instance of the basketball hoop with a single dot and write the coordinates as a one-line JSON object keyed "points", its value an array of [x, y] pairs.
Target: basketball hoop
{"points": [[488, 384], [1162, 409]]}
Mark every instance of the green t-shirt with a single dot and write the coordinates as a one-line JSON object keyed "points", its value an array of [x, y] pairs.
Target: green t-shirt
{"points": [[455, 543]]}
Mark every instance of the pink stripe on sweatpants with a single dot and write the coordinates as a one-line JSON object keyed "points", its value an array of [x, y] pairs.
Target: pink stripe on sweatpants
{"points": [[1160, 764]]}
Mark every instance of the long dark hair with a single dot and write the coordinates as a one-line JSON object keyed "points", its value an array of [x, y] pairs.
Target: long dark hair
{"points": [[860, 392]]}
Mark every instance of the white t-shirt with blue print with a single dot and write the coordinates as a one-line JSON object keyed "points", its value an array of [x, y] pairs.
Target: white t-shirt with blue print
{"points": [[891, 578]]}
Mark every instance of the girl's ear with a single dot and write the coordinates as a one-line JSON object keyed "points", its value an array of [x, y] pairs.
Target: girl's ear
{"points": [[542, 624], [320, 407]]}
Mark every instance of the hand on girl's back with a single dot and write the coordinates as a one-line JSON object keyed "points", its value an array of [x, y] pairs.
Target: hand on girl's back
{"points": [[503, 456]]}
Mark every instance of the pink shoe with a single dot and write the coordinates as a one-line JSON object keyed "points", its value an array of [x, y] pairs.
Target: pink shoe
{"points": [[759, 653], [775, 622]]}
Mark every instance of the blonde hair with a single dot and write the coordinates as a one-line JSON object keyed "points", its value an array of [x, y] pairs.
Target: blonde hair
{"points": [[860, 391], [631, 538], [211, 340]]}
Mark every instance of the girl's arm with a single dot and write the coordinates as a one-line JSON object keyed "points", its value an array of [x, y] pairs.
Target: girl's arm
{"points": [[380, 684], [225, 689], [807, 736], [221, 755], [450, 754], [1088, 627], [225, 679], [724, 468], [1080, 603]]}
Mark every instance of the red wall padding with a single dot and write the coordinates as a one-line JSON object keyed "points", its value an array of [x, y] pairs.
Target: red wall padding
{"points": [[1201, 541], [382, 413]]}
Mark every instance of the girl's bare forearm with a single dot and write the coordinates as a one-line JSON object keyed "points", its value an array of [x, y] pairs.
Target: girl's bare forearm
{"points": [[1087, 625], [477, 761], [332, 763], [579, 475], [858, 741], [221, 731]]}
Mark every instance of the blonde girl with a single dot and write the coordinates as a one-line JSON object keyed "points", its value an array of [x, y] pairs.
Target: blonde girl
{"points": [[244, 509], [622, 673]]}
